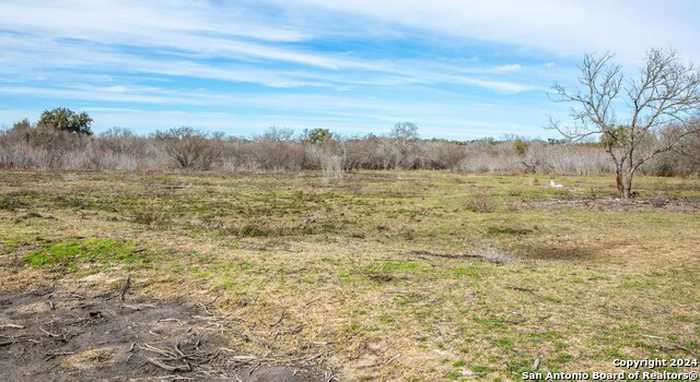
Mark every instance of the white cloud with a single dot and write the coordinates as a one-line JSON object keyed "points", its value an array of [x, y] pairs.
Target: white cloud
{"points": [[129, 21], [108, 54], [565, 27], [508, 68], [37, 54], [180, 28]]}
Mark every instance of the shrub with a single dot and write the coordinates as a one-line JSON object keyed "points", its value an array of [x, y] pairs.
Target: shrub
{"points": [[64, 119], [189, 148], [520, 147]]}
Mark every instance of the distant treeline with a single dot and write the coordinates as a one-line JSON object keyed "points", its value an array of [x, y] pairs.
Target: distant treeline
{"points": [[63, 140]]}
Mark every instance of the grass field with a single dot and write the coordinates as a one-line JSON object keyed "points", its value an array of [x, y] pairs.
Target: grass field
{"points": [[390, 275]]}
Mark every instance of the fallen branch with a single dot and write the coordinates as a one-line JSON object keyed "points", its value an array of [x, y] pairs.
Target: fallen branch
{"points": [[168, 367], [48, 333], [11, 326], [162, 352], [138, 307], [9, 341], [170, 320], [484, 257]]}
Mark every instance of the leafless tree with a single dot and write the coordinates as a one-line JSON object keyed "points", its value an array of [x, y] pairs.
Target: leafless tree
{"points": [[189, 148], [665, 92]]}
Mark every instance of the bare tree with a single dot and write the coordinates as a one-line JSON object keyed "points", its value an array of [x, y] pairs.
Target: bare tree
{"points": [[665, 92], [405, 136], [189, 148]]}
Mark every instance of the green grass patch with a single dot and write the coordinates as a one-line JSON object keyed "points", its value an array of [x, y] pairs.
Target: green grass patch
{"points": [[490, 322], [472, 271], [504, 343], [72, 253]]}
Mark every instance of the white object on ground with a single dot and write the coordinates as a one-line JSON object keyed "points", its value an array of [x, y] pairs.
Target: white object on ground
{"points": [[555, 185]]}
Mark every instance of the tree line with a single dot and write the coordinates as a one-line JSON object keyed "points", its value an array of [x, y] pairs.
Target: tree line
{"points": [[63, 139]]}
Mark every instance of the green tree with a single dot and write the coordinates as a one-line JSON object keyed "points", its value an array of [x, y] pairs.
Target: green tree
{"points": [[64, 119], [520, 147], [316, 136]]}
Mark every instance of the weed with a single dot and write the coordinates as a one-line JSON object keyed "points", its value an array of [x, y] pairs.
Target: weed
{"points": [[150, 216], [482, 204], [255, 230]]}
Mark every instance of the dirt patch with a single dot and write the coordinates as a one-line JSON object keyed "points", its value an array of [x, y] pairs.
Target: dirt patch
{"points": [[554, 252], [615, 204], [57, 335]]}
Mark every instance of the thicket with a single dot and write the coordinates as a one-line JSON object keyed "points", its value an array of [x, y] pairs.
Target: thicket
{"points": [[44, 146]]}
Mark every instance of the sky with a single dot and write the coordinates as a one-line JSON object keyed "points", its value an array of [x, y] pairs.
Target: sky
{"points": [[458, 69]]}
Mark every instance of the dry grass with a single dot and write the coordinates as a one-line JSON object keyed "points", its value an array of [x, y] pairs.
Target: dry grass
{"points": [[307, 266]]}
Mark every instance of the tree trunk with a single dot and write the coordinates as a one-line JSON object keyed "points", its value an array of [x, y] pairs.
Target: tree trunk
{"points": [[628, 185], [624, 184], [618, 181]]}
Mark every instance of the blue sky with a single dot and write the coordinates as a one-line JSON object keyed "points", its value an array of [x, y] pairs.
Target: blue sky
{"points": [[457, 68]]}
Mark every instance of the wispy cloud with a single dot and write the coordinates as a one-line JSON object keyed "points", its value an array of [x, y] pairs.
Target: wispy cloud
{"points": [[441, 63], [567, 27], [36, 54], [509, 68]]}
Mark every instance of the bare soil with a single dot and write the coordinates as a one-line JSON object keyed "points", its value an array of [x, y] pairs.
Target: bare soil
{"points": [[56, 335]]}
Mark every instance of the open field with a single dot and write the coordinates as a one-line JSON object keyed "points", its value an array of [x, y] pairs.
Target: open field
{"points": [[376, 276]]}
